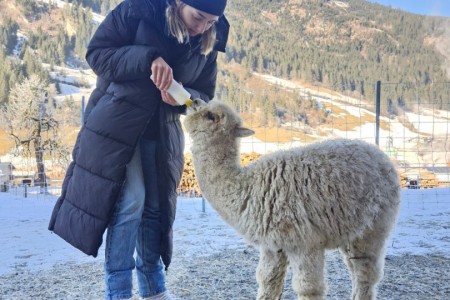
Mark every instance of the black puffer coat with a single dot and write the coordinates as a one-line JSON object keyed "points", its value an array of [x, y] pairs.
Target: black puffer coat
{"points": [[125, 105]]}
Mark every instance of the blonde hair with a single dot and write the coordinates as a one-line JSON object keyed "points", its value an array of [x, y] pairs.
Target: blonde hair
{"points": [[178, 29]]}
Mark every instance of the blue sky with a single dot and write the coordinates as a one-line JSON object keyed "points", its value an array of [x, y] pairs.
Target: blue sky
{"points": [[423, 7]]}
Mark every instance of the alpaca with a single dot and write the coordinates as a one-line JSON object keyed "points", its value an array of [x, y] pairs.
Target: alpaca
{"points": [[294, 204]]}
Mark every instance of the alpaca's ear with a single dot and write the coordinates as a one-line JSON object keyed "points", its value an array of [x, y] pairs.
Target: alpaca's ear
{"points": [[243, 132]]}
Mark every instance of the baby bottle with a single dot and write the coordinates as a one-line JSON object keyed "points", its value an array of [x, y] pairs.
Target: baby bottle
{"points": [[177, 92]]}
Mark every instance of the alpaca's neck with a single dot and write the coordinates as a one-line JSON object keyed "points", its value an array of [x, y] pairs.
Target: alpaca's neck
{"points": [[214, 164], [220, 177]]}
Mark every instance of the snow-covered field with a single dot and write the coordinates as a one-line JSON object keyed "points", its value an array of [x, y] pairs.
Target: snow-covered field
{"points": [[423, 228]]}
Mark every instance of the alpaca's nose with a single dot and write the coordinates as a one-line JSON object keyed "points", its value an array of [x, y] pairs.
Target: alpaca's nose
{"points": [[197, 103]]}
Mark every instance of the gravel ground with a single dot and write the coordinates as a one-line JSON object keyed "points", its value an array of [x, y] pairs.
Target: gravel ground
{"points": [[230, 275]]}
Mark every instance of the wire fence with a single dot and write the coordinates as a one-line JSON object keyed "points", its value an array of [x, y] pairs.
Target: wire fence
{"points": [[412, 128], [414, 132]]}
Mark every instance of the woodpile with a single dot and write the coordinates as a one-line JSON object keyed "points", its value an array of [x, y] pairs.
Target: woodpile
{"points": [[188, 185], [428, 180], [418, 179], [247, 158]]}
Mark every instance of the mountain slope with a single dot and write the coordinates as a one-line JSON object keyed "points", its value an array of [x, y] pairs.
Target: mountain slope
{"points": [[347, 45], [344, 45]]}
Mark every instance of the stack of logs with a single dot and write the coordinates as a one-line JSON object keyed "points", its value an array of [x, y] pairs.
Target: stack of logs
{"points": [[188, 185], [419, 179]]}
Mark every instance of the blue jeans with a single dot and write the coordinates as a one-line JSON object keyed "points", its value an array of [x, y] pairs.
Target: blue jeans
{"points": [[136, 226]]}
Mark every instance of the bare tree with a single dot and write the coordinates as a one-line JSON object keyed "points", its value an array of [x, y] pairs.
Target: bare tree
{"points": [[31, 121]]}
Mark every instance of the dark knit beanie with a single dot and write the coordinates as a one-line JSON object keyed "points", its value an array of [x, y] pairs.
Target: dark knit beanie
{"points": [[213, 7]]}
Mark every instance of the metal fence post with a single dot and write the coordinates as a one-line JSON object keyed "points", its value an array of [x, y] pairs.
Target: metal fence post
{"points": [[203, 205], [82, 110], [377, 113]]}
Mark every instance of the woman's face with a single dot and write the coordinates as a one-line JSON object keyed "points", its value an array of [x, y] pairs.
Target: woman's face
{"points": [[197, 21]]}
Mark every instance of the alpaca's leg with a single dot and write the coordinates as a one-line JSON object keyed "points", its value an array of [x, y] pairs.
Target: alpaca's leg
{"points": [[270, 274], [308, 275], [365, 260]]}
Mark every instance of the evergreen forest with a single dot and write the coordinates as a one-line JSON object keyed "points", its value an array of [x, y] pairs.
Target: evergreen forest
{"points": [[346, 46]]}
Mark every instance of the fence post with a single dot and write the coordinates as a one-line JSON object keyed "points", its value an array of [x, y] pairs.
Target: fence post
{"points": [[25, 191], [377, 113], [82, 110], [203, 204]]}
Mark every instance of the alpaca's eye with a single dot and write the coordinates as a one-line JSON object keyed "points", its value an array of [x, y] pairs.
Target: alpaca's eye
{"points": [[211, 116]]}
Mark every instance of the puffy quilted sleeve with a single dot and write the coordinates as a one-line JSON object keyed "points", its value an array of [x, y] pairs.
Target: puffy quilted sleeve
{"points": [[111, 53]]}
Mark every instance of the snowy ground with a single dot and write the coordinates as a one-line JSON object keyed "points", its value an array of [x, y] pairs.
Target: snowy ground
{"points": [[423, 228]]}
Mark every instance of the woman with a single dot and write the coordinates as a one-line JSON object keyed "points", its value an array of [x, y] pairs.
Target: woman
{"points": [[128, 158]]}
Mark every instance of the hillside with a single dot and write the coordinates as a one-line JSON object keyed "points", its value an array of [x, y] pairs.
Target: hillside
{"points": [[345, 45], [342, 46]]}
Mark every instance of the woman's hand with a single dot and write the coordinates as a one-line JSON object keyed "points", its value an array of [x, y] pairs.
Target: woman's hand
{"points": [[162, 77], [161, 74], [168, 99]]}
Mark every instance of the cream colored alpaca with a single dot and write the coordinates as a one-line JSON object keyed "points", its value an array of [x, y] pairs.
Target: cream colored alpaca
{"points": [[295, 204]]}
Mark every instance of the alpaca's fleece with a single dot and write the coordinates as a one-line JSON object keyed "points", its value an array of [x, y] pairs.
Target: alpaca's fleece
{"points": [[332, 194]]}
